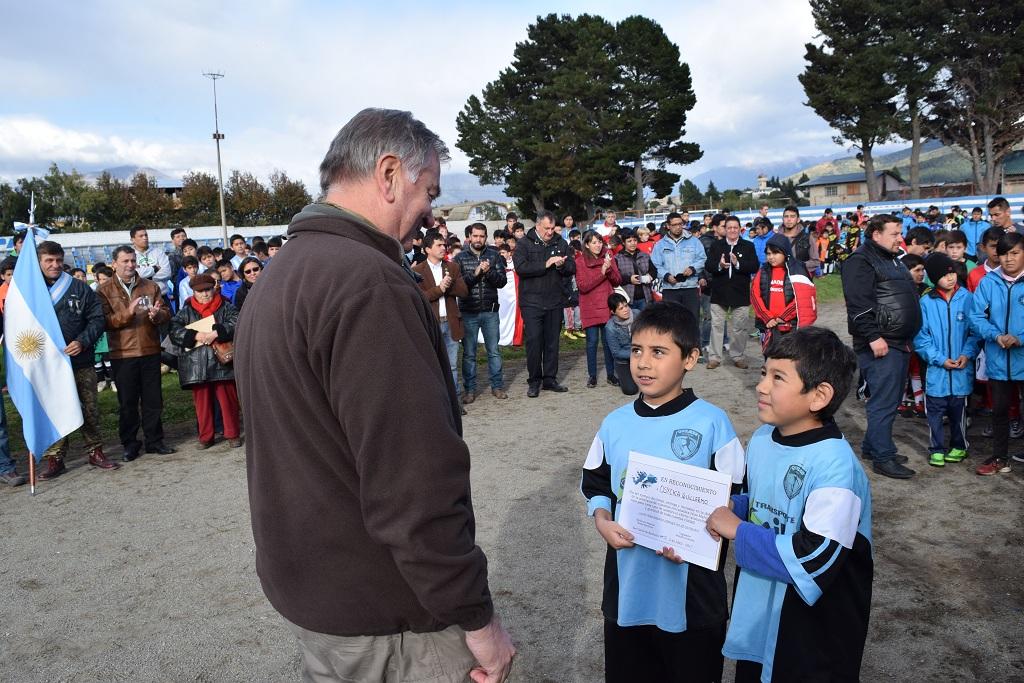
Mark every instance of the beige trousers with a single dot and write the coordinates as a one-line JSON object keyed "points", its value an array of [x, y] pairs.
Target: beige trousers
{"points": [[739, 328], [440, 657]]}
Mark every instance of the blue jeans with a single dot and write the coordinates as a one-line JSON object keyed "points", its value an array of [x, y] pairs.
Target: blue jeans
{"points": [[6, 464], [453, 354], [609, 361], [886, 377], [638, 304], [956, 408], [473, 323]]}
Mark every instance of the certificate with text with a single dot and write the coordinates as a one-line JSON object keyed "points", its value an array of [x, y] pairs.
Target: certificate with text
{"points": [[667, 503]]}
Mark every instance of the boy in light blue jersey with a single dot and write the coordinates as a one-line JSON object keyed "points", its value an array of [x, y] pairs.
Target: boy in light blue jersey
{"points": [[664, 619], [803, 529]]}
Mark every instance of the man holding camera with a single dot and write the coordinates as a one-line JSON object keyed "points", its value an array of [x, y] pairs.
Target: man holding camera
{"points": [[679, 257], [134, 311]]}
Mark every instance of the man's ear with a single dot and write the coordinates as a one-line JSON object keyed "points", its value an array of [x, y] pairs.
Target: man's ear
{"points": [[690, 361], [386, 175]]}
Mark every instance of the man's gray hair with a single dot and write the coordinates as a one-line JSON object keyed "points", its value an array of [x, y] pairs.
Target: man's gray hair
{"points": [[541, 215], [372, 133]]}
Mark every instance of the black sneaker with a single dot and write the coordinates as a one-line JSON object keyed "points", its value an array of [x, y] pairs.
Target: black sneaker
{"points": [[613, 380]]}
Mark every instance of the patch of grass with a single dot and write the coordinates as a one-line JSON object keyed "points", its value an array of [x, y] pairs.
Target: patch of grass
{"points": [[178, 409], [830, 288]]}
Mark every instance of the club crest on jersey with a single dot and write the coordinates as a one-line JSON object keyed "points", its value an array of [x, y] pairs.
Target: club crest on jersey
{"points": [[685, 443], [794, 480]]}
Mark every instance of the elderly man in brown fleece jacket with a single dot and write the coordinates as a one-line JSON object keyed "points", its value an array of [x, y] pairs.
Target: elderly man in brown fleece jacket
{"points": [[358, 474]]}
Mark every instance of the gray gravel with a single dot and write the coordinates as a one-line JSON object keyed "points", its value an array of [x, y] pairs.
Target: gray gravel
{"points": [[146, 574]]}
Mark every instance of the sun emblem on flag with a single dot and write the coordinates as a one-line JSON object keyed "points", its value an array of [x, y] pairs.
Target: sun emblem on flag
{"points": [[29, 344]]}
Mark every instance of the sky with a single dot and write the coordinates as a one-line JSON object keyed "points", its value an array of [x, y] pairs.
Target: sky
{"points": [[99, 84]]}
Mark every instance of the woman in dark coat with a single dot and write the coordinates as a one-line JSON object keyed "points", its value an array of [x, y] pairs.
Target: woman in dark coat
{"points": [[198, 367], [250, 269]]}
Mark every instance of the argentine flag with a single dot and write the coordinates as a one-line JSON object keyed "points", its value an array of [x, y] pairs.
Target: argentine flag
{"points": [[39, 376]]}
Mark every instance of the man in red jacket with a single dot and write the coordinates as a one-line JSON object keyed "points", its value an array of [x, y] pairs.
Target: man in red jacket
{"points": [[358, 475]]}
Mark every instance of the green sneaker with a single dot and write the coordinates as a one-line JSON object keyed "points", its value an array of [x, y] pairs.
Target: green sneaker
{"points": [[937, 459], [956, 455]]}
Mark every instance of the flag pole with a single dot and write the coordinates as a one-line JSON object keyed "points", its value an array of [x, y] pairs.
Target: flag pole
{"points": [[31, 474]]}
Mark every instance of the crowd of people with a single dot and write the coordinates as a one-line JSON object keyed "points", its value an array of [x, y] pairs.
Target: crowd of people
{"points": [[397, 573], [148, 312]]}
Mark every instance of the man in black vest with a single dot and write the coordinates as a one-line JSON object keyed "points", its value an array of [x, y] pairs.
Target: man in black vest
{"points": [[883, 315]]}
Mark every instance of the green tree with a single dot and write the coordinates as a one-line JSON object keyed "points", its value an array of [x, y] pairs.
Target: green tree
{"points": [[712, 194], [845, 78], [978, 104], [106, 205], [653, 95], [247, 200], [288, 197], [14, 205], [564, 126], [199, 200], [62, 194], [690, 194], [147, 204], [803, 179]]}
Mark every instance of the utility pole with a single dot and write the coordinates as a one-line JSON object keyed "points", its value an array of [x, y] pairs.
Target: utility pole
{"points": [[217, 137]]}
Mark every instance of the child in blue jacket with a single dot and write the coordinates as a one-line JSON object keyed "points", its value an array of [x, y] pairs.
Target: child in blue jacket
{"points": [[997, 316], [948, 346]]}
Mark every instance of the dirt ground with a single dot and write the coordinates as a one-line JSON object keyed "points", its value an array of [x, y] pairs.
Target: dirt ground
{"points": [[146, 574]]}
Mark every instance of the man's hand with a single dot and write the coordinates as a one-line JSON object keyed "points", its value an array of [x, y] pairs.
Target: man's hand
{"points": [[772, 323], [73, 349], [671, 279], [723, 524], [554, 261], [611, 531], [134, 305], [446, 282], [634, 279], [879, 347], [689, 271], [155, 308], [493, 649], [484, 267]]}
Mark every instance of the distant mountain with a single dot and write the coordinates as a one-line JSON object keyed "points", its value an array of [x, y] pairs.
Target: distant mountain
{"points": [[127, 173], [939, 164], [744, 177], [457, 188]]}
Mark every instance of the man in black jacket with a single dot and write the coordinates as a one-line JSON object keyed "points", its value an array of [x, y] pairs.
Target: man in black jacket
{"points": [[883, 315], [82, 323], [483, 270], [800, 239], [542, 261], [731, 263]]}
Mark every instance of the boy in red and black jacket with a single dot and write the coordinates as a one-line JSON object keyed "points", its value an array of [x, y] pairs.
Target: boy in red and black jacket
{"points": [[781, 293]]}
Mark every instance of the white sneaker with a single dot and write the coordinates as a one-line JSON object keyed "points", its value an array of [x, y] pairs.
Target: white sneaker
{"points": [[100, 386], [113, 387]]}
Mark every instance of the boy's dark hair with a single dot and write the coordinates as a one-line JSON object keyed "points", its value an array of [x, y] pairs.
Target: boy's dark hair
{"points": [[189, 242], [203, 251], [977, 209], [956, 237], [992, 234], [774, 248], [511, 216], [77, 270], [177, 231], [614, 300], [8, 264], [941, 237], [718, 218], [218, 252], [820, 357], [186, 262], [575, 233], [671, 318], [96, 270], [500, 233], [234, 237], [224, 263], [912, 261], [520, 226], [260, 248], [920, 235], [275, 241], [1008, 241]]}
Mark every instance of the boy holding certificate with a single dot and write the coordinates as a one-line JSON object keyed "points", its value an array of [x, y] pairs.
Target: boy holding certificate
{"points": [[664, 619], [803, 529]]}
